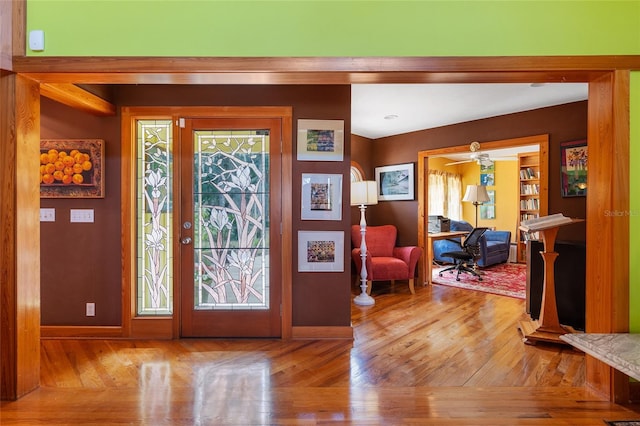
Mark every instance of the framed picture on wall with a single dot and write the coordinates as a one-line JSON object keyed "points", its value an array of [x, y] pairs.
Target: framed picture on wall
{"points": [[320, 140], [395, 182], [488, 209], [321, 196], [573, 168], [72, 168], [321, 251]]}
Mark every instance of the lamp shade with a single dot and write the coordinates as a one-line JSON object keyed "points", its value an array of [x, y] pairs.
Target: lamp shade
{"points": [[364, 192], [476, 194]]}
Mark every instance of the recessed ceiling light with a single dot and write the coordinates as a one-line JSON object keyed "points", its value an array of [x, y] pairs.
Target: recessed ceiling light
{"points": [[391, 117]]}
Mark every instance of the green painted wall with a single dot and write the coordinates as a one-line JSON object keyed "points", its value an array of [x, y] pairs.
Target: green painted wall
{"points": [[354, 28], [334, 28]]}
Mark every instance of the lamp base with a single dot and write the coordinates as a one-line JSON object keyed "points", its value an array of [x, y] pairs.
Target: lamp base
{"points": [[363, 299]]}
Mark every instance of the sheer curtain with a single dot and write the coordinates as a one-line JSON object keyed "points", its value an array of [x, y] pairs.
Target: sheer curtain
{"points": [[445, 194]]}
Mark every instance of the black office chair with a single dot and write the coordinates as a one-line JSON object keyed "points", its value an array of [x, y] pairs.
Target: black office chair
{"points": [[464, 259]]}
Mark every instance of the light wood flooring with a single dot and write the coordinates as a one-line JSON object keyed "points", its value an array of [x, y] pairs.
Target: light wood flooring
{"points": [[445, 356]]}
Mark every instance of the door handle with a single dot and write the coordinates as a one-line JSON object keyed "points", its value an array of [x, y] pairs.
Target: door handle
{"points": [[185, 240]]}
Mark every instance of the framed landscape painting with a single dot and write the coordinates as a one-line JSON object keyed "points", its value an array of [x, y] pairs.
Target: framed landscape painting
{"points": [[395, 182]]}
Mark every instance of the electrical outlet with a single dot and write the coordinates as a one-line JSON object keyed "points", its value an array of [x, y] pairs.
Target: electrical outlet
{"points": [[91, 309]]}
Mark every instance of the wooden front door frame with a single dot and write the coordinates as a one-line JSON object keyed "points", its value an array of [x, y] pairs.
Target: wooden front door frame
{"points": [[167, 327], [608, 134]]}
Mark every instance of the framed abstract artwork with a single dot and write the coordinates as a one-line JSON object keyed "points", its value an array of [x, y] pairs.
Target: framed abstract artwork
{"points": [[573, 171], [321, 251], [320, 140], [321, 196]]}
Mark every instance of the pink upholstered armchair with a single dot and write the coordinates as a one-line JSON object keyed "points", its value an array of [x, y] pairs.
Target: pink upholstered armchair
{"points": [[385, 261]]}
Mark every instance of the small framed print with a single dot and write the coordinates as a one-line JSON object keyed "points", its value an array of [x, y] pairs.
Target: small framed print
{"points": [[320, 251], [321, 196], [488, 209], [320, 140]]}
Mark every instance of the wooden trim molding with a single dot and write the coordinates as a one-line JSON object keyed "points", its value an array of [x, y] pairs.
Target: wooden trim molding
{"points": [[323, 64], [303, 332], [320, 70], [78, 332]]}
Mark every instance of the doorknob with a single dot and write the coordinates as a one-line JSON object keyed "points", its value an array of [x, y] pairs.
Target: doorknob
{"points": [[186, 240]]}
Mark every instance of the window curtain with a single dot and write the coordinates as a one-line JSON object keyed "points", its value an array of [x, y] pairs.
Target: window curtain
{"points": [[445, 194]]}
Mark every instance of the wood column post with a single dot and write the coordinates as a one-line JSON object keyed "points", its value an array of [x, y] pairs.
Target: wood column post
{"points": [[19, 236], [607, 286]]}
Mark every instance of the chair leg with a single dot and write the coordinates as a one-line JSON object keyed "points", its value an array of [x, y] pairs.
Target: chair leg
{"points": [[369, 288], [413, 291], [393, 286]]}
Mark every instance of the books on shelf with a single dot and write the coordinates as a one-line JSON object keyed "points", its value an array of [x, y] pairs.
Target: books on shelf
{"points": [[529, 173], [529, 189], [530, 204], [544, 222], [525, 237]]}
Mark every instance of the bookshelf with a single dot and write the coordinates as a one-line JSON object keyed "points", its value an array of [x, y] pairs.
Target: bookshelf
{"points": [[532, 198]]}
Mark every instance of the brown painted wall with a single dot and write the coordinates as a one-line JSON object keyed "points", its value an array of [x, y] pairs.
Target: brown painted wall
{"points": [[97, 248], [563, 123], [80, 262]]}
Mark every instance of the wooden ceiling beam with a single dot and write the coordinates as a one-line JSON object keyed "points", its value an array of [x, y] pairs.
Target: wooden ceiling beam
{"points": [[319, 70], [78, 98]]}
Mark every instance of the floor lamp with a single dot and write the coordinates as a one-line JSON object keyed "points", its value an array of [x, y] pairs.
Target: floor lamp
{"points": [[476, 194], [363, 194]]}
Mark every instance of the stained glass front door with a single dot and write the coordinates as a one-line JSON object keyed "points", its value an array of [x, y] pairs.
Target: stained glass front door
{"points": [[230, 222]]}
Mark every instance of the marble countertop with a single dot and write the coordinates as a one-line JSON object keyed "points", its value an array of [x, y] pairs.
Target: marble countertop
{"points": [[619, 350]]}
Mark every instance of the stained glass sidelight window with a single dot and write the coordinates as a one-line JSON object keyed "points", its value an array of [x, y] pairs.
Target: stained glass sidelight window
{"points": [[154, 217]]}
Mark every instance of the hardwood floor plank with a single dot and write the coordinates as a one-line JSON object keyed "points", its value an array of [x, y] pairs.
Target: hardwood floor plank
{"points": [[443, 356]]}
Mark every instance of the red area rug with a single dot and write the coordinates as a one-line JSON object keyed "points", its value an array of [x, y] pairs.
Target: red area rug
{"points": [[506, 279]]}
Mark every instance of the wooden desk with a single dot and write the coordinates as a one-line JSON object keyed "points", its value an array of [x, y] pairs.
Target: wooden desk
{"points": [[431, 237]]}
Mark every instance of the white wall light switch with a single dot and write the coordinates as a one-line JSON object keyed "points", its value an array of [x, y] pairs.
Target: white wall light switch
{"points": [[81, 215], [36, 40], [47, 215]]}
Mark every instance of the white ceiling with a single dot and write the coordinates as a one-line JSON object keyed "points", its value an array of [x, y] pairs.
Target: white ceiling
{"points": [[425, 106]]}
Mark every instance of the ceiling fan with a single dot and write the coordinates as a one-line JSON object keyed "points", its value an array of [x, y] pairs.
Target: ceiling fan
{"points": [[481, 158]]}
